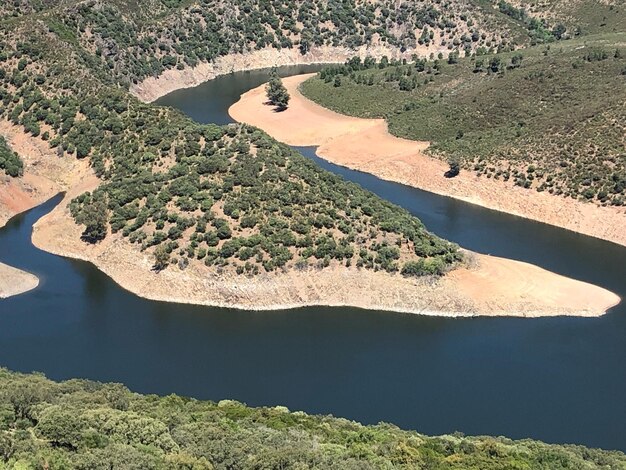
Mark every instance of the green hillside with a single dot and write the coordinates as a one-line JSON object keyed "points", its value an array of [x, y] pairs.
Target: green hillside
{"points": [[80, 424], [550, 118], [230, 198]]}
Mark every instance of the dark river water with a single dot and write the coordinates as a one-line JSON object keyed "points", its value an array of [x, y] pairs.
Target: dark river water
{"points": [[555, 379]]}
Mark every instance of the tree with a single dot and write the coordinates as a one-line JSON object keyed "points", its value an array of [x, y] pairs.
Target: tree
{"points": [[277, 94], [94, 216], [455, 167], [161, 258]]}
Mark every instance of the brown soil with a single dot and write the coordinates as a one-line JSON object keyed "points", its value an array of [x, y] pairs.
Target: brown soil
{"points": [[366, 145], [45, 173]]}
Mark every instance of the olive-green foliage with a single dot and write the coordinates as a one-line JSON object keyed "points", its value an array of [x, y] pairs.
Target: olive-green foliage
{"points": [[277, 94], [10, 161], [547, 118], [228, 197], [80, 424], [132, 43]]}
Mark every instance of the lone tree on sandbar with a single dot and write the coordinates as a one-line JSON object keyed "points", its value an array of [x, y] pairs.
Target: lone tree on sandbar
{"points": [[277, 94]]}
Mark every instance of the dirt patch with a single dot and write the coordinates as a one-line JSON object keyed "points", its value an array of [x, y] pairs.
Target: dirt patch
{"points": [[366, 145]]}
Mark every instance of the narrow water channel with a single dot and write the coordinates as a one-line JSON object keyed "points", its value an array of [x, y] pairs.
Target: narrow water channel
{"points": [[556, 379]]}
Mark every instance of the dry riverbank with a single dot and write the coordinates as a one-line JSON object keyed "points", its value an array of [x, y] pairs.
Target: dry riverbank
{"points": [[152, 88], [366, 145], [45, 174], [492, 286], [14, 282]]}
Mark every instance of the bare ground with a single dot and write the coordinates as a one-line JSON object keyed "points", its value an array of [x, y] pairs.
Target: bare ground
{"points": [[14, 282], [366, 145]]}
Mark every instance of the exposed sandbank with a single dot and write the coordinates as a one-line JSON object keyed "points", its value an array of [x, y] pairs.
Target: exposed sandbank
{"points": [[14, 282], [366, 145], [493, 286]]}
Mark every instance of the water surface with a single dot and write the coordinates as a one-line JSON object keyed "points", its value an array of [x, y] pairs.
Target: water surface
{"points": [[555, 379]]}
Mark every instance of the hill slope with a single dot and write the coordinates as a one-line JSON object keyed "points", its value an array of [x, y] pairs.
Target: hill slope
{"points": [[550, 119], [88, 425]]}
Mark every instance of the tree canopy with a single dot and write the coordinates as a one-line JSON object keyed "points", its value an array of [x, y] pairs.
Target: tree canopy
{"points": [[276, 92]]}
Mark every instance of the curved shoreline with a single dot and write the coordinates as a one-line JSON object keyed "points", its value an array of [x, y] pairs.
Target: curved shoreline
{"points": [[14, 281], [45, 174], [459, 294], [493, 287], [513, 288], [366, 145], [153, 88]]}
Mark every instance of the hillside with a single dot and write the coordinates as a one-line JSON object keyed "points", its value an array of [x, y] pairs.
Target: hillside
{"points": [[80, 424], [189, 193], [546, 118]]}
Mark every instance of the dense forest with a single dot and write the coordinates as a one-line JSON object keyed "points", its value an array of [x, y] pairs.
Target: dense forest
{"points": [[79, 424], [548, 118]]}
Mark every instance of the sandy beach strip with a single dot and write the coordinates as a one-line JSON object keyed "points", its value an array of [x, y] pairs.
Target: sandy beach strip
{"points": [[14, 281], [366, 145]]}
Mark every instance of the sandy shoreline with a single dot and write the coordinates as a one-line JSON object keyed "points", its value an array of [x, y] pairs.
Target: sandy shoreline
{"points": [[493, 286], [496, 287], [14, 281], [366, 145]]}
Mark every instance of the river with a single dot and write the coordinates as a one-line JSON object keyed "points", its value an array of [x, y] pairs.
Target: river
{"points": [[555, 379]]}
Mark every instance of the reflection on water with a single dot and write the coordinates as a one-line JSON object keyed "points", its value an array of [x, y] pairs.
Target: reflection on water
{"points": [[556, 379]]}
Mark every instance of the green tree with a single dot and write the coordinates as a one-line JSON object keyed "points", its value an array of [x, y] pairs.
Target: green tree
{"points": [[94, 216], [455, 167], [276, 92], [161, 258]]}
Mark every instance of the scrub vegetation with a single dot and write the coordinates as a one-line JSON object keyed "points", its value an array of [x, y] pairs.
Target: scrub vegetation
{"points": [[226, 197], [79, 424], [10, 161], [549, 118], [130, 40]]}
